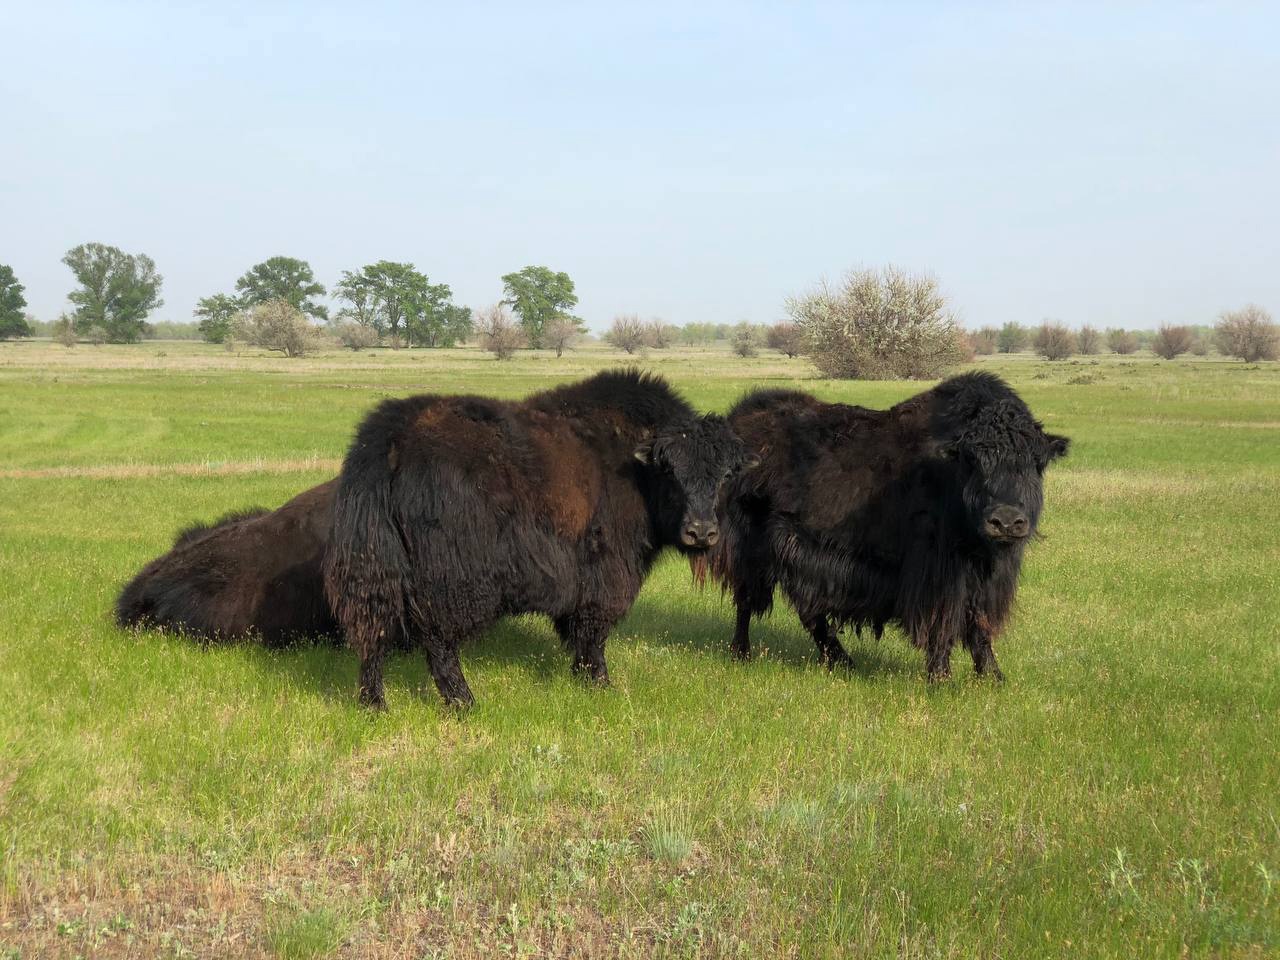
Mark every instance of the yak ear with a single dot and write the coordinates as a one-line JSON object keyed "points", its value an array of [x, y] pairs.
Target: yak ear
{"points": [[644, 452], [1055, 446]]}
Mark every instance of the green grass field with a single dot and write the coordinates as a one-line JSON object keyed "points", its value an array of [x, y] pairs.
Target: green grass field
{"points": [[1117, 797]]}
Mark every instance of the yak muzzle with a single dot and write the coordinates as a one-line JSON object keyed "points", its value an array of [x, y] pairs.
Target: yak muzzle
{"points": [[1007, 523], [700, 533]]}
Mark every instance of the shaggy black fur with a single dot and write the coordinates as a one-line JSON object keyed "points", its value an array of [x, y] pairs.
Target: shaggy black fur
{"points": [[252, 573], [455, 511], [918, 514]]}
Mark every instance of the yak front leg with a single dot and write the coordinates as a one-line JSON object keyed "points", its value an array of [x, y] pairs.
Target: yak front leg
{"points": [[937, 657], [585, 634], [371, 687], [977, 640], [742, 633]]}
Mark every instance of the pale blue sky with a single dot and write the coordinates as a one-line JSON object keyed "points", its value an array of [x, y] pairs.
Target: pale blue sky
{"points": [[1113, 164]]}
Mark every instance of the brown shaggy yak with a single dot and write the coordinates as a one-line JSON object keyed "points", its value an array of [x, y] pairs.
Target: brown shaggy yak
{"points": [[454, 511], [252, 573], [917, 515]]}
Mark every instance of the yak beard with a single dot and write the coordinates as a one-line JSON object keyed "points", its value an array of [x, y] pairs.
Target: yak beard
{"points": [[699, 564]]}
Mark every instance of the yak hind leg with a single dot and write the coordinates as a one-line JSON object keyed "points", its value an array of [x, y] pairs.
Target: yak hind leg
{"points": [[830, 650], [446, 670]]}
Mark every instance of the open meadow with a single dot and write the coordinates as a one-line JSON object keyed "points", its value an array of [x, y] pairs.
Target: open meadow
{"points": [[1118, 796]]}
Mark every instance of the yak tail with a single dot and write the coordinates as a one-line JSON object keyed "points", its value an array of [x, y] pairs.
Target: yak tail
{"points": [[366, 566]]}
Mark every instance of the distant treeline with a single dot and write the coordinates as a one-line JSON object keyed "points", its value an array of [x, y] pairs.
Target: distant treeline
{"points": [[873, 324]]}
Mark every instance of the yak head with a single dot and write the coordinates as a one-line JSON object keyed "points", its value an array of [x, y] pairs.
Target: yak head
{"points": [[1000, 457], [690, 464]]}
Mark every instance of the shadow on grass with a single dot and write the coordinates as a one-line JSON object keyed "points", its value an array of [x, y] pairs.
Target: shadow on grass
{"points": [[324, 667]]}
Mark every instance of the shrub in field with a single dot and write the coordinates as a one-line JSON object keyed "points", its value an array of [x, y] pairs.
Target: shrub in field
{"points": [[96, 335], [1200, 346], [878, 325], [1248, 333], [1172, 341], [1053, 341], [985, 341], [1013, 337], [355, 336], [64, 331], [745, 341], [626, 333], [498, 332], [13, 322], [1088, 340], [278, 325], [1121, 341], [785, 338]]}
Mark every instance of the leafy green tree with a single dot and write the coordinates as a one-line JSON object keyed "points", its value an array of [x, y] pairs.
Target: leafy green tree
{"points": [[117, 290], [13, 322], [539, 295], [1012, 338], [398, 301], [434, 320], [283, 278], [217, 313]]}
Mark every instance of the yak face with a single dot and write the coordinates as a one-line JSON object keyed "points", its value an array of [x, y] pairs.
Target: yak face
{"points": [[1000, 459], [690, 464]]}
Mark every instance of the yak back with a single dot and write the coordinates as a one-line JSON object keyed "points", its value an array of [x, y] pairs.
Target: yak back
{"points": [[544, 458]]}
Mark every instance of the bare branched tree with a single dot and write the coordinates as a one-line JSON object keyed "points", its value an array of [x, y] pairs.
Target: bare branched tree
{"points": [[278, 325], [786, 338], [1248, 333], [1122, 342], [1088, 340], [1172, 341], [659, 335], [985, 341], [560, 334], [626, 332], [1054, 341], [498, 332]]}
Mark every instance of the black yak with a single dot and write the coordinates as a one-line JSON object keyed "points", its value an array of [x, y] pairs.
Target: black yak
{"points": [[253, 572], [918, 514], [455, 511]]}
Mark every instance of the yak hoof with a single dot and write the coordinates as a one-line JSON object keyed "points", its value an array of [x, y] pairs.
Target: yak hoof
{"points": [[372, 701]]}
